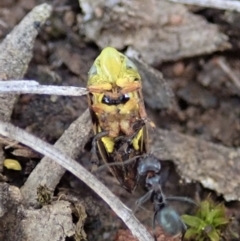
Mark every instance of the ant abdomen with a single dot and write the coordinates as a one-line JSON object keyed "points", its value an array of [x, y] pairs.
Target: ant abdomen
{"points": [[170, 221]]}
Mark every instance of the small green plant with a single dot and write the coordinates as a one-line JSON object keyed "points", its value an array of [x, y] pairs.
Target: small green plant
{"points": [[208, 223]]}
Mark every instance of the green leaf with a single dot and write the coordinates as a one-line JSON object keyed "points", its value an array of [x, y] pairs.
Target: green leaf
{"points": [[213, 235], [222, 210], [214, 213], [190, 233], [220, 221], [204, 209], [193, 221]]}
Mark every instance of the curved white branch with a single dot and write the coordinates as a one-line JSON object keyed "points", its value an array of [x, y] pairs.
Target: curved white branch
{"points": [[137, 229]]}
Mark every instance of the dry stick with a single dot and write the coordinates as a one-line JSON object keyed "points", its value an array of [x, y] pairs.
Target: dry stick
{"points": [[16, 52], [137, 229], [225, 67], [71, 143], [219, 4], [33, 87]]}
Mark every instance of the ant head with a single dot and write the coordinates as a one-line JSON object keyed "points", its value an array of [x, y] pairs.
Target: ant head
{"points": [[148, 163], [170, 221]]}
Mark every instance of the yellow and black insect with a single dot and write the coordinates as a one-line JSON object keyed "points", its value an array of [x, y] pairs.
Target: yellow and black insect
{"points": [[118, 113]]}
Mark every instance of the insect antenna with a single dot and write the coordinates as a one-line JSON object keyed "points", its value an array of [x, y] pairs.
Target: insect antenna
{"points": [[142, 200], [156, 150], [117, 163]]}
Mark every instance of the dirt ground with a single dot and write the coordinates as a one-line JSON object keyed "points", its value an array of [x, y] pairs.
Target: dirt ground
{"points": [[206, 105]]}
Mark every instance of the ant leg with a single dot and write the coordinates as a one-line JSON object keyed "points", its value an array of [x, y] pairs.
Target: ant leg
{"points": [[117, 163], [127, 139], [153, 225], [184, 229], [94, 158], [181, 199], [142, 200]]}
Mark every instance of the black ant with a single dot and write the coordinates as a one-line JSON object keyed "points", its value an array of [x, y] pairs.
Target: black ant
{"points": [[164, 215], [150, 167]]}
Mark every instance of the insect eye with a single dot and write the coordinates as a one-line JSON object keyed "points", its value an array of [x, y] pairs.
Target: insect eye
{"points": [[92, 71], [121, 100], [125, 97], [130, 65], [106, 100]]}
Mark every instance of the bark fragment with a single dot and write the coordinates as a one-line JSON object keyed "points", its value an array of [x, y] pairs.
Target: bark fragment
{"points": [[159, 30], [215, 166]]}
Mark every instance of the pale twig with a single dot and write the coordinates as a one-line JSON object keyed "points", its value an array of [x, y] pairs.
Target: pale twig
{"points": [[33, 87], [17, 51], [3, 24], [219, 4], [225, 67], [137, 229]]}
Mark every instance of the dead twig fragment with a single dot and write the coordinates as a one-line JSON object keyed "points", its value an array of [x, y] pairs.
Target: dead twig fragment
{"points": [[71, 143], [69, 164], [33, 87], [16, 53], [19, 149], [219, 4], [226, 68]]}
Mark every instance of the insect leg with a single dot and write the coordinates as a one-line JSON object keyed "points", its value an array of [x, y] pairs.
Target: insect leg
{"points": [[143, 199], [181, 199], [128, 87], [153, 225], [184, 229], [118, 163], [94, 158], [99, 88]]}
